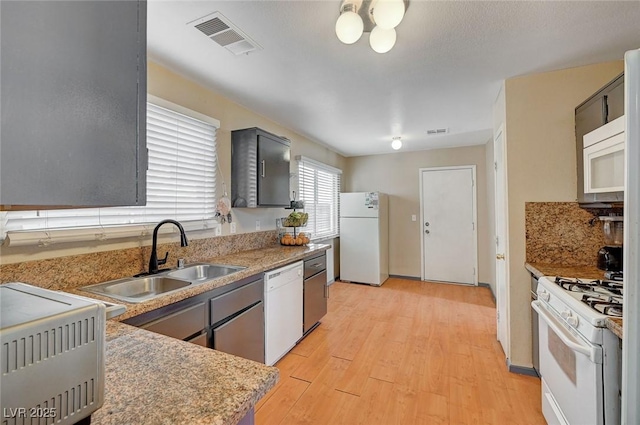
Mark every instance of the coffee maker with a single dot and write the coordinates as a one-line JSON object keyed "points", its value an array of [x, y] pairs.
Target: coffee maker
{"points": [[610, 255]]}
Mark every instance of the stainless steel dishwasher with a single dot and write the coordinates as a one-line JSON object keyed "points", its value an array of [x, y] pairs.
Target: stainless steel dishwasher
{"points": [[316, 291]]}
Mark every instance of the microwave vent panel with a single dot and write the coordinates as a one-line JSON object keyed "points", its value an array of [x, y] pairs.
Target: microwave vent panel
{"points": [[218, 28]]}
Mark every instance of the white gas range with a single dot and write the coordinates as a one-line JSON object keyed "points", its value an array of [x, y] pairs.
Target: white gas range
{"points": [[579, 356]]}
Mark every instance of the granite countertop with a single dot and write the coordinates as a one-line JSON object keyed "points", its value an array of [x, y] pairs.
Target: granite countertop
{"points": [[589, 272], [256, 261], [151, 378], [541, 269]]}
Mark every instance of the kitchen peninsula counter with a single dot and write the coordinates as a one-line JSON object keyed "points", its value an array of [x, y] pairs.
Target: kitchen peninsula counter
{"points": [[589, 272], [151, 378]]}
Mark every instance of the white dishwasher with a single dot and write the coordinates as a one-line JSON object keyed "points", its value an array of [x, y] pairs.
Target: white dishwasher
{"points": [[283, 289]]}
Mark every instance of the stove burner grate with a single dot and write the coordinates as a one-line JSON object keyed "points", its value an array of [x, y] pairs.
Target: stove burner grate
{"points": [[595, 286], [610, 308]]}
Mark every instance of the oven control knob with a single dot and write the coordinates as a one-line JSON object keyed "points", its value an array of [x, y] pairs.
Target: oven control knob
{"points": [[544, 295], [570, 318]]}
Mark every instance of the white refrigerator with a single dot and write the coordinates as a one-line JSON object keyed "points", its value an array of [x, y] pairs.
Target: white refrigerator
{"points": [[364, 237]]}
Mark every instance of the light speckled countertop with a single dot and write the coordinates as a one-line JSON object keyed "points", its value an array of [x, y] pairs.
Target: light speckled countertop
{"points": [[256, 261], [154, 379], [151, 378], [589, 272]]}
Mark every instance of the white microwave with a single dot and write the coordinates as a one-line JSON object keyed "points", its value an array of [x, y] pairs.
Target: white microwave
{"points": [[604, 158]]}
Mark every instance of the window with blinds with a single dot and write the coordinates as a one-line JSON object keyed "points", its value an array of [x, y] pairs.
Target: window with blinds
{"points": [[181, 184], [319, 188]]}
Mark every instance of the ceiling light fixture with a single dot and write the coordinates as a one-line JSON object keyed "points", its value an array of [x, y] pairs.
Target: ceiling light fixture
{"points": [[349, 26], [388, 14], [377, 17], [396, 143], [382, 40]]}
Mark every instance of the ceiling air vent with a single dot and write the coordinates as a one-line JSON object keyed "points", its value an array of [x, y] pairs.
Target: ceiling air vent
{"points": [[437, 131], [218, 28]]}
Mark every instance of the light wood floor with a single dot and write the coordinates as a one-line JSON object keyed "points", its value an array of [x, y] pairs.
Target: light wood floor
{"points": [[408, 352]]}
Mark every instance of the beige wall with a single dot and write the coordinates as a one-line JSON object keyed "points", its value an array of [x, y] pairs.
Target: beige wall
{"points": [[397, 175], [180, 90], [541, 166], [172, 87]]}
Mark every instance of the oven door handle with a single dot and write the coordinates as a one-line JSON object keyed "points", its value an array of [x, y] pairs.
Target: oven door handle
{"points": [[569, 340]]}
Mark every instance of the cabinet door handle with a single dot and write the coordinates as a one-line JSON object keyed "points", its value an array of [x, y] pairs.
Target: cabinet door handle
{"points": [[264, 168]]}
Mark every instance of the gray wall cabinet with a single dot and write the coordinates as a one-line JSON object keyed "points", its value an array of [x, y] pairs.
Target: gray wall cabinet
{"points": [[259, 169], [73, 103], [604, 106]]}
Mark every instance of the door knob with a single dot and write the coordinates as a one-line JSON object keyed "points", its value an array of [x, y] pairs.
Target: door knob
{"points": [[500, 257]]}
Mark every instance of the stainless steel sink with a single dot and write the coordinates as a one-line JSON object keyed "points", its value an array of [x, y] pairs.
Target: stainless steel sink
{"points": [[203, 272], [139, 289]]}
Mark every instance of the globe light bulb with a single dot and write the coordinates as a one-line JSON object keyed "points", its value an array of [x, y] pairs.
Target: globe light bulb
{"points": [[396, 143], [388, 13], [382, 40], [349, 27]]}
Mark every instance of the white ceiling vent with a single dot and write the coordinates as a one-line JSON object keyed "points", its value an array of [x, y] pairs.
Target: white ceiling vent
{"points": [[437, 131], [220, 29]]}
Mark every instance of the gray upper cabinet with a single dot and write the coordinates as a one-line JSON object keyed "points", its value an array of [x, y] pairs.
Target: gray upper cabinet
{"points": [[604, 106], [259, 169], [614, 98], [73, 103]]}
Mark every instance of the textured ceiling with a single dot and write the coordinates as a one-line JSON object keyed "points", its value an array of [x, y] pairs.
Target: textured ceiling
{"points": [[444, 71]]}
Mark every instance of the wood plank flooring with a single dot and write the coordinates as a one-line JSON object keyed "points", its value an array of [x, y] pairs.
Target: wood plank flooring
{"points": [[408, 352]]}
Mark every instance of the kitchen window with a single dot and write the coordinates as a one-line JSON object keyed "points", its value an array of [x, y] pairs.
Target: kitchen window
{"points": [[319, 188], [181, 184]]}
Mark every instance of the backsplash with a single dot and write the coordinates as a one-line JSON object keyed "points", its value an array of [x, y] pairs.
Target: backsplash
{"points": [[560, 233], [80, 270]]}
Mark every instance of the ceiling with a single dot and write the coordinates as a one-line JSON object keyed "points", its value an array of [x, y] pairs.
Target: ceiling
{"points": [[444, 71]]}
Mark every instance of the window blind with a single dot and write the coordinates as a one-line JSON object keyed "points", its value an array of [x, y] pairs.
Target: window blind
{"points": [[319, 187], [181, 184]]}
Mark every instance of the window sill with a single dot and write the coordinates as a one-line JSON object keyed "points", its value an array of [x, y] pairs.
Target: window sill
{"points": [[45, 238]]}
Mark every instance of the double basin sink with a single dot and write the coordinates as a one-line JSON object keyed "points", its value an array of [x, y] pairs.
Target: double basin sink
{"points": [[139, 289]]}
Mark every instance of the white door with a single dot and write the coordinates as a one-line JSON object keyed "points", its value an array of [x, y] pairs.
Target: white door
{"points": [[449, 241], [502, 289]]}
